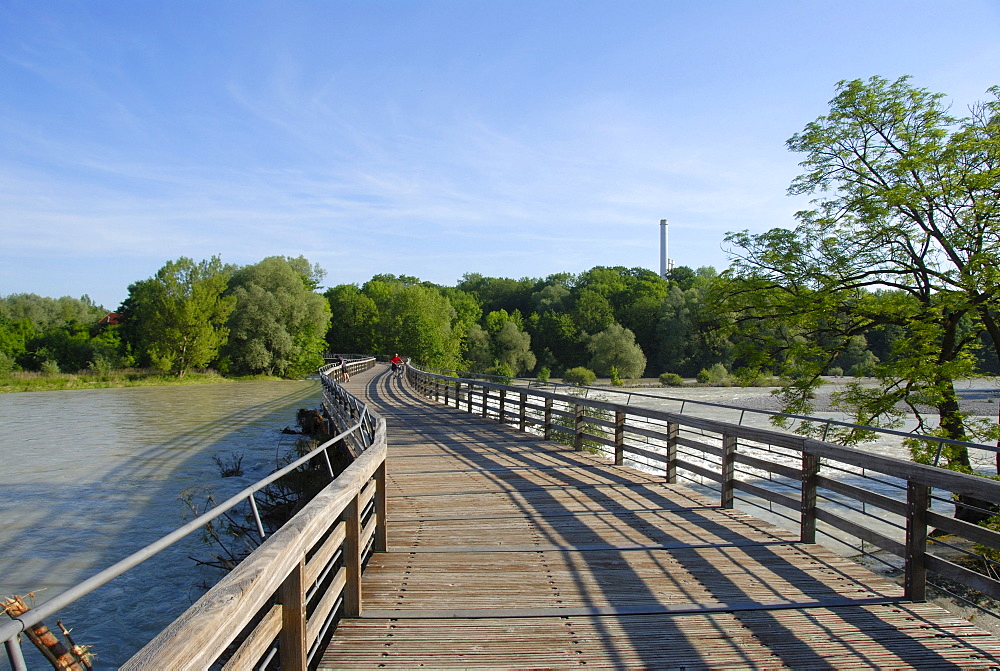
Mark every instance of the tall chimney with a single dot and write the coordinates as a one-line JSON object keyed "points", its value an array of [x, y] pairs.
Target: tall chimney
{"points": [[663, 248]]}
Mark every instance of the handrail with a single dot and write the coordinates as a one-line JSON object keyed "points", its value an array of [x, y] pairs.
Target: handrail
{"points": [[9, 631], [814, 481], [828, 421]]}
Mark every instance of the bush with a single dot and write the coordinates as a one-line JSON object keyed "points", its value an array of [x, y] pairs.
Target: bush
{"points": [[580, 376], [671, 380], [543, 374], [835, 371], [49, 367], [616, 379], [702, 376], [718, 375]]}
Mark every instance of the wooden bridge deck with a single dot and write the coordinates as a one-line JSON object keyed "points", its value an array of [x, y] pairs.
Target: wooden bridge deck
{"points": [[508, 551]]}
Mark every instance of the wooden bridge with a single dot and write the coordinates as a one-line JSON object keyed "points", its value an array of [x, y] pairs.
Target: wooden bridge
{"points": [[457, 541], [506, 550]]}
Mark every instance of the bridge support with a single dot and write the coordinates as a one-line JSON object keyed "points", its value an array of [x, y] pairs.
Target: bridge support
{"points": [[728, 470], [807, 510]]}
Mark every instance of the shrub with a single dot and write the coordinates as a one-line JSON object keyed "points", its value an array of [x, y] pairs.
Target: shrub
{"points": [[543, 374], [671, 380], [718, 375], [580, 376], [835, 371], [49, 367], [616, 379], [703, 376]]}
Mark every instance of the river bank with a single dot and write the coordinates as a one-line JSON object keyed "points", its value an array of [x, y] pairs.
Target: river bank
{"points": [[117, 379]]}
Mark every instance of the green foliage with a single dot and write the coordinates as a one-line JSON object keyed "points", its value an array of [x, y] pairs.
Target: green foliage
{"points": [[580, 376], [616, 379], [176, 320], [900, 246], [543, 374], [504, 373], [49, 367], [671, 380], [703, 376], [615, 347], [279, 323]]}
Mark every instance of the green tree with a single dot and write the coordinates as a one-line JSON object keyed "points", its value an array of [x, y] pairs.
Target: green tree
{"points": [[353, 322], [903, 233], [279, 323], [415, 320], [615, 347], [177, 318]]}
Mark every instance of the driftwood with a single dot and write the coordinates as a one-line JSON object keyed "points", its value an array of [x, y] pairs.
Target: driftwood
{"points": [[74, 657]]}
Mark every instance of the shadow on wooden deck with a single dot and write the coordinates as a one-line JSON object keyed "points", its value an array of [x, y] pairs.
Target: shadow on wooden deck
{"points": [[508, 551]]}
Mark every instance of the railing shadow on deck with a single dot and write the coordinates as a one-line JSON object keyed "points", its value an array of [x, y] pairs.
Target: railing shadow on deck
{"points": [[575, 534], [810, 478]]}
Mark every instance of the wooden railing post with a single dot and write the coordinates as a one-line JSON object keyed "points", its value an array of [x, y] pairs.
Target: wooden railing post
{"points": [[352, 559], [673, 430], [619, 437], [918, 497], [547, 426], [578, 428], [728, 470], [447, 388], [486, 397], [503, 399], [807, 509], [292, 638], [381, 540], [522, 417], [468, 397]]}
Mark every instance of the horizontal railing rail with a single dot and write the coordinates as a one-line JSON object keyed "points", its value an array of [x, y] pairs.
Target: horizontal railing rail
{"points": [[630, 395], [912, 518], [344, 411]]}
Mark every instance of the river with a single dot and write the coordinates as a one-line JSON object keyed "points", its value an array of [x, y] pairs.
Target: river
{"points": [[91, 476]]}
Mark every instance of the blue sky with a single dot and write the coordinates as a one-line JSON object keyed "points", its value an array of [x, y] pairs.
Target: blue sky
{"points": [[432, 139]]}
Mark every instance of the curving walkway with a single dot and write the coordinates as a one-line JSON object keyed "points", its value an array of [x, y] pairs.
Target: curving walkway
{"points": [[509, 551]]}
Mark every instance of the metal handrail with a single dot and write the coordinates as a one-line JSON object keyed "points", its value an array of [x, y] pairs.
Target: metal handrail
{"points": [[9, 631], [939, 440]]}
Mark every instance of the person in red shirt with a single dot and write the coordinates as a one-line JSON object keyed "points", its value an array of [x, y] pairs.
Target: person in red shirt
{"points": [[396, 363]]}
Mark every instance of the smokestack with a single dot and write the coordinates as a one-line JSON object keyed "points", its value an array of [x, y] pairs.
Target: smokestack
{"points": [[663, 248]]}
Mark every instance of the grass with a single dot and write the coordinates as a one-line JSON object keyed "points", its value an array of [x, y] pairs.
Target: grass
{"points": [[127, 377]]}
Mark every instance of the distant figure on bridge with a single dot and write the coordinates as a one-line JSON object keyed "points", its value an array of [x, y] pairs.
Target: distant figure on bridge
{"points": [[345, 375], [396, 363]]}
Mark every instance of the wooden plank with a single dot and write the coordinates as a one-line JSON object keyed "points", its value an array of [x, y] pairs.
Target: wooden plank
{"points": [[257, 643]]}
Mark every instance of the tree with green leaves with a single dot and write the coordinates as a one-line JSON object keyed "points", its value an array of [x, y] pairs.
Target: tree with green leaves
{"points": [[904, 232], [615, 348], [279, 323], [176, 319]]}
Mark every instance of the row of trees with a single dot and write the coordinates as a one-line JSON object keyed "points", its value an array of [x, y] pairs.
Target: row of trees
{"points": [[265, 318], [893, 273]]}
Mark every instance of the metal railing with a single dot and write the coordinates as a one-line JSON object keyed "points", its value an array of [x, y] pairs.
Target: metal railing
{"points": [[911, 519], [344, 411]]}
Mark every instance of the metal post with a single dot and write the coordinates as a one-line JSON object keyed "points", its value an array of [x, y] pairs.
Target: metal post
{"points": [[807, 512], [918, 498], [14, 654], [256, 515], [728, 470]]}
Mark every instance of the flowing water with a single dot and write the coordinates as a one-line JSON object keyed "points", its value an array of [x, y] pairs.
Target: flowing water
{"points": [[90, 476]]}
